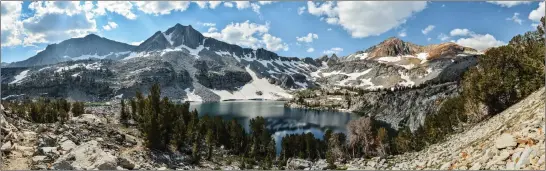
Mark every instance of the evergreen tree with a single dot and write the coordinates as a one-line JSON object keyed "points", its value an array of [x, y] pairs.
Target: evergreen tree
{"points": [[123, 115]]}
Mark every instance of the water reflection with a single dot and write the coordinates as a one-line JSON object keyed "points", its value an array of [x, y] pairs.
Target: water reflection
{"points": [[280, 121]]}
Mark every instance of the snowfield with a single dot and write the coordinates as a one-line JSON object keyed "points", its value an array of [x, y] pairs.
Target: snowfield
{"points": [[20, 77], [249, 91]]}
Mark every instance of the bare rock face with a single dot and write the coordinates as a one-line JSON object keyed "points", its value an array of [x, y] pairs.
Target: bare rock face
{"points": [[87, 156], [393, 47], [449, 49]]}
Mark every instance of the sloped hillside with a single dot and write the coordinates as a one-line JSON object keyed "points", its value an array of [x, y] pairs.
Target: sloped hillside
{"points": [[513, 139]]}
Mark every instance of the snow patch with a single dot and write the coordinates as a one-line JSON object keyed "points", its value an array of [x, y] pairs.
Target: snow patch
{"points": [[93, 66], [191, 96], [406, 78], [20, 76], [249, 91]]}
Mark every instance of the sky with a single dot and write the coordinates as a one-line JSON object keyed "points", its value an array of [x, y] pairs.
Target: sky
{"points": [[294, 29]]}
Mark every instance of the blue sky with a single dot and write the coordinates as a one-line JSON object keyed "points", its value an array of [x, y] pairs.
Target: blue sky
{"points": [[300, 29]]}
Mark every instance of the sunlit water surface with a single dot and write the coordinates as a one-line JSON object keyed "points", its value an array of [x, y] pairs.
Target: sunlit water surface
{"points": [[280, 121]]}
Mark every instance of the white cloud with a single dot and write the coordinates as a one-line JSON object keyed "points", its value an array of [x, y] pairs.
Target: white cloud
{"points": [[242, 4], [161, 7], [515, 18], [427, 29], [228, 4], [241, 34], [120, 7], [301, 10], [136, 43], [249, 34], [10, 25], [110, 25], [311, 50], [363, 19], [509, 4], [43, 26], [308, 39], [209, 24], [255, 6], [443, 37], [273, 43], [402, 33], [535, 15], [480, 42], [265, 2], [212, 29], [333, 50], [209, 4], [460, 32], [428, 39], [329, 29]]}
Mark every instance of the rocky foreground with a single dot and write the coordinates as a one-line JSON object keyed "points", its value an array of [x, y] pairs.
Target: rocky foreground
{"points": [[89, 142], [513, 139]]}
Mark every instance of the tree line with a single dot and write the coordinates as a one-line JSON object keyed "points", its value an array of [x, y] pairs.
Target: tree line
{"points": [[44, 110]]}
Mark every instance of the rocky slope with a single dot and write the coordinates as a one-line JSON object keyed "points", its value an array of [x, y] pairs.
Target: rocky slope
{"points": [[90, 46], [395, 63], [511, 140], [188, 65], [88, 142]]}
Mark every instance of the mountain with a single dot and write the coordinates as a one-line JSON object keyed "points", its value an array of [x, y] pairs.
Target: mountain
{"points": [[90, 46], [188, 66], [395, 63]]}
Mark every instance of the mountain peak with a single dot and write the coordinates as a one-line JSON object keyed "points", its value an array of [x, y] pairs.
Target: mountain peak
{"points": [[184, 35], [92, 35], [393, 46]]}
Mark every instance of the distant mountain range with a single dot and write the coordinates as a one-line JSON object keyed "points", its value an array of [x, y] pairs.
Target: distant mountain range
{"points": [[190, 66]]}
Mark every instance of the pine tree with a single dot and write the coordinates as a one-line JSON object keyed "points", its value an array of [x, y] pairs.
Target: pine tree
{"points": [[210, 143], [124, 115]]}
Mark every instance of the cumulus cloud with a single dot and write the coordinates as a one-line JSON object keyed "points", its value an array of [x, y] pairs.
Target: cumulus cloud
{"points": [[10, 25], [515, 18], [307, 39], [363, 19], [301, 10], [273, 43], [119, 7], [480, 42], [333, 50], [208, 4], [249, 34], [509, 4], [212, 29], [161, 7], [535, 15], [460, 32], [44, 27], [311, 50], [110, 25], [428, 29]]}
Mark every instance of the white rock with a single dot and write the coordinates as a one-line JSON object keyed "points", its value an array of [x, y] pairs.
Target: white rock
{"points": [[86, 156], [524, 158], [37, 159], [476, 166], [505, 140], [445, 166], [6, 147], [67, 145]]}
